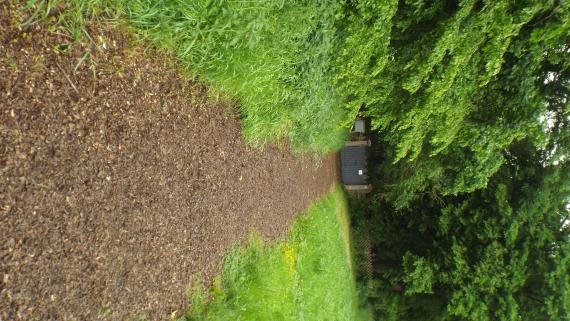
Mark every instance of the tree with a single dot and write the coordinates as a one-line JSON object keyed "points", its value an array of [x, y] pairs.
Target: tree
{"points": [[451, 84], [500, 253], [470, 101]]}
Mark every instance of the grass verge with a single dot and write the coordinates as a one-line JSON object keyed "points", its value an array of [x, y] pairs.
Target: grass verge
{"points": [[276, 58], [307, 277]]}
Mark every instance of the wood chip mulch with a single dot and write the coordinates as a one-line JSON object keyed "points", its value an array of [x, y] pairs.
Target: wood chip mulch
{"points": [[121, 182]]}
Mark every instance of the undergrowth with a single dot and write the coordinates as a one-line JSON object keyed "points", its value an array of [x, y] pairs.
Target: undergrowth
{"points": [[307, 277]]}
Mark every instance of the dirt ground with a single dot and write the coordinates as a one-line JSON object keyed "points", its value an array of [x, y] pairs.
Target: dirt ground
{"points": [[121, 182]]}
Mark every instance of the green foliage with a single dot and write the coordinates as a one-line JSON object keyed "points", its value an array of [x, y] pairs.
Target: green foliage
{"points": [[450, 86], [307, 277], [501, 253], [364, 54], [471, 208], [418, 274]]}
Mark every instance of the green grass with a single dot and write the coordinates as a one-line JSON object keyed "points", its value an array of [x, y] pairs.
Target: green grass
{"points": [[307, 277], [276, 58]]}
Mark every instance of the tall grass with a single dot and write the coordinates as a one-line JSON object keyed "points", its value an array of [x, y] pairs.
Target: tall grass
{"points": [[275, 57], [308, 277]]}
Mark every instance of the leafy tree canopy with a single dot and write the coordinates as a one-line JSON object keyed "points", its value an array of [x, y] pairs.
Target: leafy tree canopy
{"points": [[500, 253], [469, 100], [451, 84]]}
